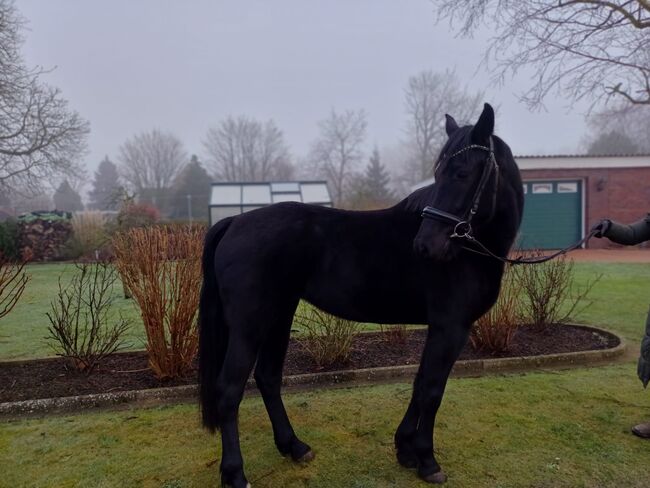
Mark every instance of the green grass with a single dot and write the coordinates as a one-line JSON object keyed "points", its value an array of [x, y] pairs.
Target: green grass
{"points": [[23, 331], [616, 303], [545, 429], [621, 298], [565, 429]]}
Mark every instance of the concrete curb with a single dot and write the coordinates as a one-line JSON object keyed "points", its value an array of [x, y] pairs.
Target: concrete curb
{"points": [[476, 367]]}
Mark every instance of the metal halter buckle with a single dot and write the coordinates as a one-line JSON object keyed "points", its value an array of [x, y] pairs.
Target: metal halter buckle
{"points": [[462, 229]]}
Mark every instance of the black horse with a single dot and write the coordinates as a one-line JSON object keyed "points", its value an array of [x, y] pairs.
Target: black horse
{"points": [[387, 266]]}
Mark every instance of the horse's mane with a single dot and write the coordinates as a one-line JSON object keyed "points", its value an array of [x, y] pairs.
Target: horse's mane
{"points": [[421, 197]]}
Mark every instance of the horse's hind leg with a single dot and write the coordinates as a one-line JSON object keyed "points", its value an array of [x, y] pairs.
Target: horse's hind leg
{"points": [[268, 376], [237, 366]]}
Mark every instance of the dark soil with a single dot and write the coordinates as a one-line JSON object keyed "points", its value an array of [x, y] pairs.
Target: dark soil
{"points": [[128, 371]]}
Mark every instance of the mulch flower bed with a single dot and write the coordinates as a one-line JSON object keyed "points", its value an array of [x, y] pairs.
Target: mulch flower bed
{"points": [[128, 371]]}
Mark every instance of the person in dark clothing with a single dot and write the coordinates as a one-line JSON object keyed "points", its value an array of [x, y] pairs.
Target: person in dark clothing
{"points": [[630, 235]]}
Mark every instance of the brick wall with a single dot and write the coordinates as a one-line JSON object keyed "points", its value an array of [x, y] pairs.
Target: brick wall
{"points": [[621, 194]]}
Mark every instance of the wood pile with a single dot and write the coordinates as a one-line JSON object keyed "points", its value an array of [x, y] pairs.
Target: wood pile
{"points": [[43, 235]]}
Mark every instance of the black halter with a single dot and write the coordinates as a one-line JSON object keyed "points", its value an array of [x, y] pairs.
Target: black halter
{"points": [[463, 225]]}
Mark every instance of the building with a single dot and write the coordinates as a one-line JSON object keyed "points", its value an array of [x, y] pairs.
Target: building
{"points": [[234, 198], [565, 195]]}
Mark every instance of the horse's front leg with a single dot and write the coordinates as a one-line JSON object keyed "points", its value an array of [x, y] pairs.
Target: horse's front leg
{"points": [[405, 434], [445, 340]]}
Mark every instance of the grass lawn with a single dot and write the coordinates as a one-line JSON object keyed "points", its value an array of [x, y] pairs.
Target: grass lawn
{"points": [[563, 429], [23, 331], [550, 429], [618, 300]]}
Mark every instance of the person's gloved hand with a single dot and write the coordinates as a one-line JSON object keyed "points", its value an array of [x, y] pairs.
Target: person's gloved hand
{"points": [[601, 227]]}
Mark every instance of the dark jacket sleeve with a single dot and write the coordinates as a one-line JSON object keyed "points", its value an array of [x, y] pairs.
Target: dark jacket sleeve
{"points": [[643, 368], [629, 235]]}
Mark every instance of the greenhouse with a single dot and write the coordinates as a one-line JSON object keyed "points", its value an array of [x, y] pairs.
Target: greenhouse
{"points": [[228, 199]]}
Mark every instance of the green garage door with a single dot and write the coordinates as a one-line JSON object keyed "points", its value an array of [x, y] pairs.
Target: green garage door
{"points": [[552, 214]]}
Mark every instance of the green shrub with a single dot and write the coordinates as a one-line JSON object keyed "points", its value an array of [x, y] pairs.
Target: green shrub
{"points": [[133, 215], [9, 245]]}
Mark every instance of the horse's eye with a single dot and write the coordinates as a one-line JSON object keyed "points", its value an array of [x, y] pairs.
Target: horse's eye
{"points": [[462, 174]]}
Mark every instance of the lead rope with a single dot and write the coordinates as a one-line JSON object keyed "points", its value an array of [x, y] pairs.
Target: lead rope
{"points": [[484, 251]]}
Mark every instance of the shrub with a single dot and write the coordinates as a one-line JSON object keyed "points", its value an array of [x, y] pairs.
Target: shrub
{"points": [[550, 294], [327, 339], [161, 266], [13, 281], [81, 328], [394, 335], [132, 215], [89, 237], [9, 242], [493, 332]]}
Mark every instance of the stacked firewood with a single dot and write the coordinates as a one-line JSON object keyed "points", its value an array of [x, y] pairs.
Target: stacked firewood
{"points": [[44, 234]]}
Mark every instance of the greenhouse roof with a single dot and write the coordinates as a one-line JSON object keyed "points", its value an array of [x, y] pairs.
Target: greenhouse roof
{"points": [[265, 193]]}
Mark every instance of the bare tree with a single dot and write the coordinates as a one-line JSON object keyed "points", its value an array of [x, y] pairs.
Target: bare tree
{"points": [[582, 48], [631, 120], [40, 136], [428, 96], [338, 150], [243, 149], [151, 160]]}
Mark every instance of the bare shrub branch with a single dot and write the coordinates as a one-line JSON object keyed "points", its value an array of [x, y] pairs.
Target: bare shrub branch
{"points": [[13, 281], [82, 328], [550, 294], [493, 332], [328, 339], [161, 267]]}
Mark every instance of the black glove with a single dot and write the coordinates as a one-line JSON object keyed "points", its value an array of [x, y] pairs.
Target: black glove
{"points": [[601, 227]]}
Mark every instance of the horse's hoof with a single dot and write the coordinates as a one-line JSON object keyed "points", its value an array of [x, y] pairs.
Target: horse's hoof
{"points": [[407, 459], [307, 457], [437, 478]]}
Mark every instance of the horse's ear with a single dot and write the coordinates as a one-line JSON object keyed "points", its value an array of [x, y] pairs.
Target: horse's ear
{"points": [[450, 125], [484, 127]]}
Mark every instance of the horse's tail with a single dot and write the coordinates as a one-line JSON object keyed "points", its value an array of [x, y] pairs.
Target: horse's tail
{"points": [[213, 333]]}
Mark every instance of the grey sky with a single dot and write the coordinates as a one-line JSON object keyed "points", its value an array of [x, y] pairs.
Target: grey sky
{"points": [[129, 66]]}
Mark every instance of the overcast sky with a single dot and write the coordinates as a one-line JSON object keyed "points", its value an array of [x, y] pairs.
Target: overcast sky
{"points": [[129, 66]]}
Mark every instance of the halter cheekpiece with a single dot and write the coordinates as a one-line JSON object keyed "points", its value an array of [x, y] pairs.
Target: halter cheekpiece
{"points": [[463, 225]]}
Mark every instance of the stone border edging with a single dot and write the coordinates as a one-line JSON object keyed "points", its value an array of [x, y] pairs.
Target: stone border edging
{"points": [[471, 367]]}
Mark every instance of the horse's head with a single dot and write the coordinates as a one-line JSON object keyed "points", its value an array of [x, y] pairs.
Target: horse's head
{"points": [[464, 193]]}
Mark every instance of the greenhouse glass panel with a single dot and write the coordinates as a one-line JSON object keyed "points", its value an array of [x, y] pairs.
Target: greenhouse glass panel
{"points": [[256, 194], [286, 197], [218, 213], [285, 187], [225, 195], [315, 193]]}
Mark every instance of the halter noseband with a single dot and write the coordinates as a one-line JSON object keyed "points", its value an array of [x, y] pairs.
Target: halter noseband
{"points": [[463, 225]]}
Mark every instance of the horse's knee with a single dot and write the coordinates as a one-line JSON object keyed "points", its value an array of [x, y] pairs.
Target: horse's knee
{"points": [[267, 384]]}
